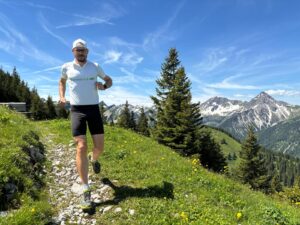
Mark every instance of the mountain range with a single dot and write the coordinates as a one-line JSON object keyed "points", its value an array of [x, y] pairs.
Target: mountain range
{"points": [[275, 122]]}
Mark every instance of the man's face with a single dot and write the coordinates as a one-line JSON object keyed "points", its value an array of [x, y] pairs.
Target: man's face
{"points": [[80, 54]]}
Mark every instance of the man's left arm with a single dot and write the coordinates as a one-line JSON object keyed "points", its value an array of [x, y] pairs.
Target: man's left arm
{"points": [[108, 82], [106, 85]]}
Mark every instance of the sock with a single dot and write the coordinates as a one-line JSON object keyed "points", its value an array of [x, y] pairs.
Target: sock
{"points": [[85, 187]]}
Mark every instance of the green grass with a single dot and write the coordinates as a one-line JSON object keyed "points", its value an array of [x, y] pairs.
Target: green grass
{"points": [[16, 134], [230, 146], [165, 188]]}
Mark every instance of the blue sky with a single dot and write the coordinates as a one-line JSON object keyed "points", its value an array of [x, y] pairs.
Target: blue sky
{"points": [[229, 48]]}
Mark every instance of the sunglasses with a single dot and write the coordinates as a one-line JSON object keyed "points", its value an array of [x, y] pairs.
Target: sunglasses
{"points": [[80, 49]]}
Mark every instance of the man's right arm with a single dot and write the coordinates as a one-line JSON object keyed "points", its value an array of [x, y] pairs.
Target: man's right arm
{"points": [[62, 91]]}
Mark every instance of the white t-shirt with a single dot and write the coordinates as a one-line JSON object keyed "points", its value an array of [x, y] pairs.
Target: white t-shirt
{"points": [[82, 82]]}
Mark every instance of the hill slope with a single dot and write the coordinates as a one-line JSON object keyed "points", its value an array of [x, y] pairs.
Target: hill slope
{"points": [[150, 184], [283, 137]]}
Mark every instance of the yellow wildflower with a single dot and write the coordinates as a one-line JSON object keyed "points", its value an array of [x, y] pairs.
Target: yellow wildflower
{"points": [[239, 215], [184, 216], [33, 210]]}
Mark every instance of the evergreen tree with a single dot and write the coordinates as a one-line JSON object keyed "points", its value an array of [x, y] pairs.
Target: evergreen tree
{"points": [[229, 157], [38, 109], [276, 185], [166, 81], [252, 166], [211, 155], [50, 108], [234, 157], [177, 117], [132, 124], [62, 113], [142, 124], [124, 118], [102, 110]]}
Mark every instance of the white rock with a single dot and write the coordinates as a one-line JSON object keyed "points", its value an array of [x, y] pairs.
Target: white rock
{"points": [[104, 188], [76, 188], [119, 209], [93, 196], [131, 211], [97, 200], [107, 208]]}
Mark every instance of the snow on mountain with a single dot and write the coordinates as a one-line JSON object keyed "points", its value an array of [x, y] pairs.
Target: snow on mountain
{"points": [[261, 112], [219, 106]]}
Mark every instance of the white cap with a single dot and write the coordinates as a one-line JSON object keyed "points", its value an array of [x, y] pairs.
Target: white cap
{"points": [[79, 43]]}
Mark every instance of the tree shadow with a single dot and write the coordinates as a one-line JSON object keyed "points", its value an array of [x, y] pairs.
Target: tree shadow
{"points": [[121, 193]]}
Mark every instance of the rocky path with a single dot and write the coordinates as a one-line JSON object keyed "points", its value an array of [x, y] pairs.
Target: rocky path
{"points": [[65, 190]]}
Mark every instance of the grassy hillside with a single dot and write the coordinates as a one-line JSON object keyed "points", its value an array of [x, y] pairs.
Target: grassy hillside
{"points": [[164, 188], [21, 178], [228, 146]]}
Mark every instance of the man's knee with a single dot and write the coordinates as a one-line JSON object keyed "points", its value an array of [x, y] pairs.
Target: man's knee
{"points": [[81, 145]]}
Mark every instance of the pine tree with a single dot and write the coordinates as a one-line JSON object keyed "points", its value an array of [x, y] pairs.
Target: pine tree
{"points": [[168, 72], [62, 113], [50, 108], [124, 118], [177, 117], [234, 157], [102, 110], [211, 155], [252, 166], [38, 109], [132, 123], [142, 124], [276, 185]]}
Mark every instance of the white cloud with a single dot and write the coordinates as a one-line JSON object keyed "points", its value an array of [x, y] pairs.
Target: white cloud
{"points": [[153, 38], [279, 92], [118, 95], [46, 70], [132, 78], [116, 41], [45, 26], [112, 56], [132, 59], [226, 85], [214, 58], [18, 44]]}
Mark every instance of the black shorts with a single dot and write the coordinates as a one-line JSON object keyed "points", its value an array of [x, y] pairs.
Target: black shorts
{"points": [[81, 115]]}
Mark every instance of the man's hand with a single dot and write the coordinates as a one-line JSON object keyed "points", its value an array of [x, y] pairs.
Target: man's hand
{"points": [[100, 86], [62, 102]]}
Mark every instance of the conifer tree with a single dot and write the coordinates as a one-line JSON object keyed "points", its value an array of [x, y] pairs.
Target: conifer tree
{"points": [[276, 185], [211, 155], [166, 81], [177, 117], [102, 110], [38, 109], [50, 108], [132, 123], [142, 124], [124, 118], [62, 113], [252, 166]]}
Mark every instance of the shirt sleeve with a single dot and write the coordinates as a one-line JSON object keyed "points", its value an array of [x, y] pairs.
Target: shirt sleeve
{"points": [[100, 72], [64, 72]]}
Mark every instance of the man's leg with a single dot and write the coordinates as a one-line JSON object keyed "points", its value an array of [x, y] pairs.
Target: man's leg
{"points": [[98, 140], [81, 158]]}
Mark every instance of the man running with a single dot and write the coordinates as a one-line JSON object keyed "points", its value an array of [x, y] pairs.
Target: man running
{"points": [[81, 75]]}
